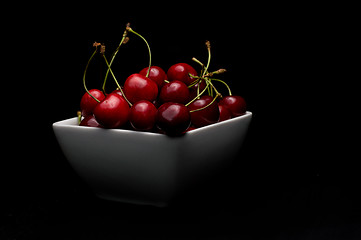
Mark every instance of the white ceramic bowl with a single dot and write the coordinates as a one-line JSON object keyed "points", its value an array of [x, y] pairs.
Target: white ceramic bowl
{"points": [[148, 168]]}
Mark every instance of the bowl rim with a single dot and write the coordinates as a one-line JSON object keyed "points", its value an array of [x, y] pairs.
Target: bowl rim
{"points": [[64, 123]]}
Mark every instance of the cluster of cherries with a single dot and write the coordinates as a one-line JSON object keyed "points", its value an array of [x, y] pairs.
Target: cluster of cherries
{"points": [[153, 100]]}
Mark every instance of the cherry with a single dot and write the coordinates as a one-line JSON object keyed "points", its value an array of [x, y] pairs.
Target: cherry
{"points": [[206, 116], [235, 104], [140, 91], [142, 115], [173, 118], [180, 72], [112, 112], [90, 121], [87, 103], [156, 74], [224, 113], [175, 91], [138, 87]]}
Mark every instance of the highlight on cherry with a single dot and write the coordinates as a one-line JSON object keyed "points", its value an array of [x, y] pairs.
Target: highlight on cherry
{"points": [[170, 102]]}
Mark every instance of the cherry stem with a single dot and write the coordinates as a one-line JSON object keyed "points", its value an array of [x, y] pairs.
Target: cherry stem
{"points": [[86, 69], [219, 80], [150, 54], [200, 63], [78, 113], [124, 40], [199, 94], [219, 71], [116, 82], [208, 44]]}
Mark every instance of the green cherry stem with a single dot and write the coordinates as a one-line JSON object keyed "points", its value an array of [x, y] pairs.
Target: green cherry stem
{"points": [[200, 63], [219, 80], [116, 82], [113, 56], [129, 29], [86, 69], [208, 44], [199, 94], [78, 113]]}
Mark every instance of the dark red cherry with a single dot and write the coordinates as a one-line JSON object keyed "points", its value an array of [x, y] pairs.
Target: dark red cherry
{"points": [[87, 103], [138, 87], [156, 74], [90, 121], [112, 112], [206, 116], [235, 104], [224, 113], [142, 115], [173, 118], [180, 72], [175, 91]]}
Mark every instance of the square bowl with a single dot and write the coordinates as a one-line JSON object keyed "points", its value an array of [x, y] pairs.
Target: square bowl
{"points": [[144, 167]]}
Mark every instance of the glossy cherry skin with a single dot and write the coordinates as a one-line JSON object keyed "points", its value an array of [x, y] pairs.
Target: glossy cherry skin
{"points": [[90, 121], [118, 92], [142, 115], [235, 104], [112, 112], [175, 91], [87, 103], [156, 74], [206, 116], [180, 72], [138, 87], [173, 118], [224, 113]]}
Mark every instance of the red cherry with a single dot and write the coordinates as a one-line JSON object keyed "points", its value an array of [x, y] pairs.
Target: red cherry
{"points": [[235, 104], [138, 87], [90, 121], [175, 91], [205, 116], [224, 113], [156, 74], [142, 115], [173, 118], [180, 72], [87, 103], [112, 112]]}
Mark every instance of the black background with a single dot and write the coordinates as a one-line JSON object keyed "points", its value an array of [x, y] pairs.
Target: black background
{"points": [[294, 178]]}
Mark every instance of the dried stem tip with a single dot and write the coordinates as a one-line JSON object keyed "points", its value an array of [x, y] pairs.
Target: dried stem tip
{"points": [[126, 39], [219, 71], [102, 49], [96, 44], [208, 44], [127, 27]]}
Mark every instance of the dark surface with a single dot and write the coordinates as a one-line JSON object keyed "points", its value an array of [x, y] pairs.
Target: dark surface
{"points": [[295, 177]]}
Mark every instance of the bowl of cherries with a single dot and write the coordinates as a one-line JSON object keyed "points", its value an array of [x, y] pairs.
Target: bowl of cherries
{"points": [[157, 134]]}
